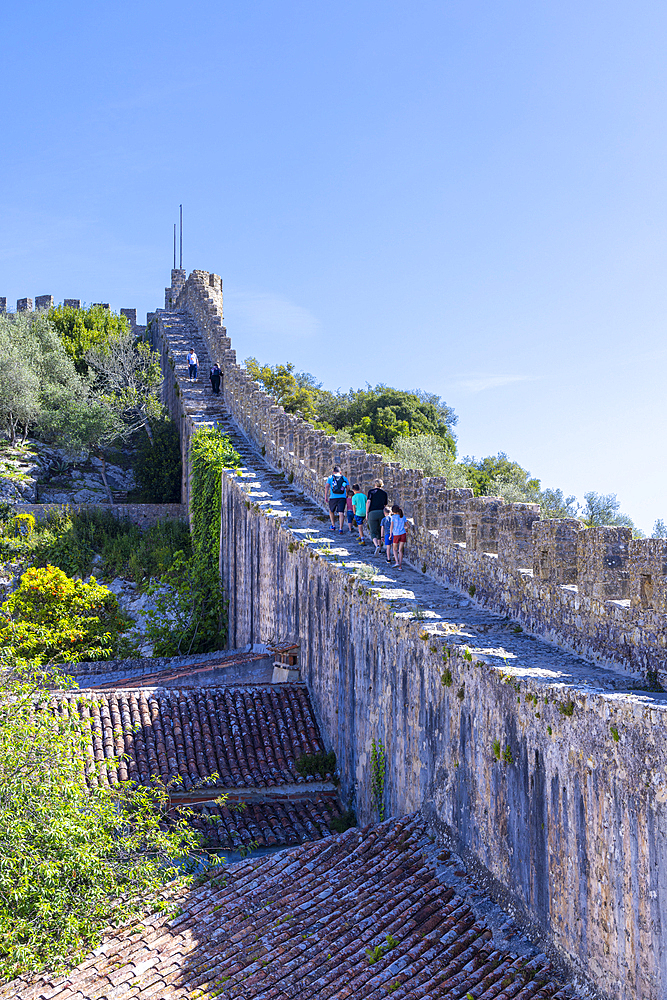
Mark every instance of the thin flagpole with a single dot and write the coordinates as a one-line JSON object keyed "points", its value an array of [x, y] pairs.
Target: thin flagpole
{"points": [[181, 264], [174, 246]]}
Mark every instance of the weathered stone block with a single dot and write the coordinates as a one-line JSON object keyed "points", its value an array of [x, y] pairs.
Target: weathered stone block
{"points": [[515, 534], [648, 574], [24, 305], [44, 302], [72, 303], [554, 556], [602, 563], [482, 515]]}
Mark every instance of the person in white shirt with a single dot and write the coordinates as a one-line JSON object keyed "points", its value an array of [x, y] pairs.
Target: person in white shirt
{"points": [[193, 362], [398, 535]]}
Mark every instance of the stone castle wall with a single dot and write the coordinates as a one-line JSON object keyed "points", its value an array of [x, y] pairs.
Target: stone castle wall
{"points": [[598, 591], [558, 793]]}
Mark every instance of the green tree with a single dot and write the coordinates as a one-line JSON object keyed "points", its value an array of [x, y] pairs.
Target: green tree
{"points": [[371, 418], [659, 529], [77, 855], [428, 453], [603, 509], [128, 380], [295, 392], [555, 504], [82, 330], [380, 415], [38, 381], [52, 618], [488, 474]]}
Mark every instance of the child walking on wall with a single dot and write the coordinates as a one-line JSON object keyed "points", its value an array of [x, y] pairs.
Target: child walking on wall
{"points": [[350, 509], [359, 505], [385, 527], [398, 534]]}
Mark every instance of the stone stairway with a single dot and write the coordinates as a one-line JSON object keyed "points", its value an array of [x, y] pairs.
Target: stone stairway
{"points": [[198, 398]]}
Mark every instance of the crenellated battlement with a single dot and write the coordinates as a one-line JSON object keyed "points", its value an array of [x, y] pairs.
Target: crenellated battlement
{"points": [[595, 590], [43, 303]]}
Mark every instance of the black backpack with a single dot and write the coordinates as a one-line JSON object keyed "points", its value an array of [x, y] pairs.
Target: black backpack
{"points": [[338, 484]]}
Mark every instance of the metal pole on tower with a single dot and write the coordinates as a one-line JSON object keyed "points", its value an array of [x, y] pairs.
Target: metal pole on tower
{"points": [[181, 264], [174, 246]]}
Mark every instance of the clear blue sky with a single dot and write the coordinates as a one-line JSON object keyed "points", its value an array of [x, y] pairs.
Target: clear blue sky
{"points": [[469, 197]]}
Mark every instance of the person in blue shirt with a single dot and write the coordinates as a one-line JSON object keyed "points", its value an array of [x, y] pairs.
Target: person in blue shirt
{"points": [[335, 493], [359, 506]]}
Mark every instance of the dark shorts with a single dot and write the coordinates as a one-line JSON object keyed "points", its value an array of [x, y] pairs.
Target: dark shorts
{"points": [[337, 505], [350, 516], [359, 518], [399, 538], [374, 522]]}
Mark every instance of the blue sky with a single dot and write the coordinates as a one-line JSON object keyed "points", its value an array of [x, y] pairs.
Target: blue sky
{"points": [[469, 197]]}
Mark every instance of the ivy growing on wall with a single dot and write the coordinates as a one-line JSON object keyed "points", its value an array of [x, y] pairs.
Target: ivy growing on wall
{"points": [[189, 615], [210, 453]]}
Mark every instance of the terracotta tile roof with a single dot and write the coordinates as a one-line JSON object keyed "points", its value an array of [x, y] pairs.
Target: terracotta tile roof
{"points": [[250, 736], [264, 824], [362, 916]]}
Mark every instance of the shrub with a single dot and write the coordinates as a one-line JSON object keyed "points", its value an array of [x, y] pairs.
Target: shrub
{"points": [[70, 539], [50, 617], [158, 467], [317, 764]]}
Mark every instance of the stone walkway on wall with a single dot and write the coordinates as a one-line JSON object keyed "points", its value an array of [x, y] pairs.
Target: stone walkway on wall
{"points": [[442, 611]]}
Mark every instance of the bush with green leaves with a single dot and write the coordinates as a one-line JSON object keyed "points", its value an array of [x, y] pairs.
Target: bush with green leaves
{"points": [[189, 614], [76, 854], [158, 467], [70, 539], [52, 618]]}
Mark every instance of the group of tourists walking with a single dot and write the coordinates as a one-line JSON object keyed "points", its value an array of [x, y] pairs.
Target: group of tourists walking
{"points": [[386, 525], [215, 374]]}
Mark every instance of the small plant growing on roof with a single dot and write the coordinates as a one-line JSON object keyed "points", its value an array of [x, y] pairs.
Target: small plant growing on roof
{"points": [[446, 677], [317, 764], [507, 756], [566, 707], [496, 749], [472, 589]]}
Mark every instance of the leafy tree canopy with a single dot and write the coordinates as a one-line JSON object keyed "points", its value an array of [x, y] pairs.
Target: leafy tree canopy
{"points": [[128, 378], [77, 855], [371, 417], [82, 330], [603, 509], [281, 382]]}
